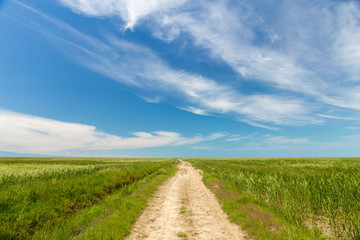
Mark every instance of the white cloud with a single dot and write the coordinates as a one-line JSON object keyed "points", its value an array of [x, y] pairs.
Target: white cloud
{"points": [[201, 148], [214, 29], [255, 124], [275, 38], [152, 99], [211, 26], [300, 65], [141, 68], [337, 117], [269, 142], [195, 110], [198, 139], [285, 140], [346, 48], [318, 58], [347, 97], [131, 11], [236, 138], [30, 134]]}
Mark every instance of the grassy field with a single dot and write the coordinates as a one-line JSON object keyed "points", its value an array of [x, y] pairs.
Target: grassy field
{"points": [[288, 198], [73, 198]]}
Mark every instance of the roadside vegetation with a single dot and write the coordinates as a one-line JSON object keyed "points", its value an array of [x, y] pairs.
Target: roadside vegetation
{"points": [[68, 198], [315, 198]]}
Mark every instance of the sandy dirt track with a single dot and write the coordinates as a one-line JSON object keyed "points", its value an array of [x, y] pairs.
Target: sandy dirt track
{"points": [[184, 208]]}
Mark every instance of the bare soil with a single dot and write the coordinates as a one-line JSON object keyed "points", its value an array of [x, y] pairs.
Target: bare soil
{"points": [[184, 208]]}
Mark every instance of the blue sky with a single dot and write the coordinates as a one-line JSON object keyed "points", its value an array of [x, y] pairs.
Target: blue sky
{"points": [[165, 78]]}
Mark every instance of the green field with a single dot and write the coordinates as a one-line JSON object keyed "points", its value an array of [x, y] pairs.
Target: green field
{"points": [[288, 198], [74, 198], [89, 198]]}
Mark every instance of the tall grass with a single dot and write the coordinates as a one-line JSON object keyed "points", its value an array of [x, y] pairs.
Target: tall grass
{"points": [[316, 191], [58, 189]]}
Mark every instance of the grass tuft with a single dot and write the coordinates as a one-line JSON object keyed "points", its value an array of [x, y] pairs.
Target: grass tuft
{"points": [[182, 235]]}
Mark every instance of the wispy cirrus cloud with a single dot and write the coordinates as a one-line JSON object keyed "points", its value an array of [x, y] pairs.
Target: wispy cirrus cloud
{"points": [[337, 117], [346, 49], [265, 140], [202, 148], [268, 145], [214, 30], [315, 53], [285, 140], [143, 69], [306, 59], [23, 133], [237, 137], [140, 67]]}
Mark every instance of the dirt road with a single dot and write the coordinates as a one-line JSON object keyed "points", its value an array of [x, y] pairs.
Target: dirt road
{"points": [[183, 208]]}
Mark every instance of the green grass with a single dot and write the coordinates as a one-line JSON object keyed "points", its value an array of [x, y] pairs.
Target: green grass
{"points": [[52, 198], [283, 198], [182, 235], [183, 210]]}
